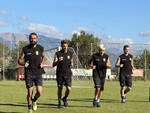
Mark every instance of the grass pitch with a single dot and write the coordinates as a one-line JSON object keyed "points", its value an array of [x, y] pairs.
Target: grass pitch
{"points": [[13, 98]]}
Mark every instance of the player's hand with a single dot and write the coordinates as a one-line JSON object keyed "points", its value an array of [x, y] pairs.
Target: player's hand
{"points": [[26, 64], [133, 68], [93, 67], [121, 65], [41, 65], [61, 58]]}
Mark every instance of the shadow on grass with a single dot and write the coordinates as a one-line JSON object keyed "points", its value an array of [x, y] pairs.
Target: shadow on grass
{"points": [[17, 105], [9, 112], [119, 101], [55, 105], [103, 100], [78, 99]]}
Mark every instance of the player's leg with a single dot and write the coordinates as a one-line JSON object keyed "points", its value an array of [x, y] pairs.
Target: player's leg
{"points": [[102, 81], [122, 84], [29, 98], [38, 83], [96, 80], [128, 84], [59, 90], [37, 95], [29, 86], [68, 84]]}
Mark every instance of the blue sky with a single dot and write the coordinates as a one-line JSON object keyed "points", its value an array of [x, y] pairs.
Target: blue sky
{"points": [[113, 20]]}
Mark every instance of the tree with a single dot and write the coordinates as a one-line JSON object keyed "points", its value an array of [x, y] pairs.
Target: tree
{"points": [[140, 60], [85, 42], [11, 69], [4, 53]]}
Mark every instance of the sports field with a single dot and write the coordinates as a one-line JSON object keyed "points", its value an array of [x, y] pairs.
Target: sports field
{"points": [[13, 98]]}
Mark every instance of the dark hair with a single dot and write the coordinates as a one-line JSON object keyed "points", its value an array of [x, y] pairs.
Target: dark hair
{"points": [[33, 34], [64, 42], [125, 46]]}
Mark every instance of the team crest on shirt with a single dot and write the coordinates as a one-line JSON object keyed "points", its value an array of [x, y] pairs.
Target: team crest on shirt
{"points": [[130, 59], [37, 53], [104, 59], [68, 57]]}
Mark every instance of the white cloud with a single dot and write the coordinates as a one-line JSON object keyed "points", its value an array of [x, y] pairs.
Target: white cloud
{"points": [[145, 34], [110, 39], [3, 23], [46, 30], [22, 17], [3, 13], [78, 29]]}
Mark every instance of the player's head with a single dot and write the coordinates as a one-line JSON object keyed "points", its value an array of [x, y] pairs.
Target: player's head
{"points": [[126, 49], [33, 38], [64, 45], [102, 49]]}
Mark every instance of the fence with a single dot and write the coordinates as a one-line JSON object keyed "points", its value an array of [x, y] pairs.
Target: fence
{"points": [[10, 51]]}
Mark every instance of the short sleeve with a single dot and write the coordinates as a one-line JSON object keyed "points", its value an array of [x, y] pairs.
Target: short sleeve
{"points": [[42, 49]]}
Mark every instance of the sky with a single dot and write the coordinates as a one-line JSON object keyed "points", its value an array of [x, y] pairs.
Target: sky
{"points": [[111, 20]]}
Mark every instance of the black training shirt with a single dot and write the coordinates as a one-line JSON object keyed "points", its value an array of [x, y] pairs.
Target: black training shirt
{"points": [[126, 61], [64, 66], [34, 56], [100, 62]]}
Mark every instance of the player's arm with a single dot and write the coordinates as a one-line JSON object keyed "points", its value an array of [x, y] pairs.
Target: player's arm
{"points": [[132, 64], [91, 63], [118, 62], [108, 63], [71, 61], [43, 58], [21, 59], [55, 62]]}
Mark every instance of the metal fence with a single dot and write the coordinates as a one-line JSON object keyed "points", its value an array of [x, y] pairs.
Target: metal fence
{"points": [[10, 51]]}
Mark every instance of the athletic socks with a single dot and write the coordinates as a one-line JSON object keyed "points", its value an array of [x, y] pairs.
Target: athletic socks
{"points": [[65, 97], [29, 106], [95, 98], [59, 100], [34, 100], [125, 91]]}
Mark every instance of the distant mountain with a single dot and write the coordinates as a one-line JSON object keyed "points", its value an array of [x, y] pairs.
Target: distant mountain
{"points": [[10, 39]]}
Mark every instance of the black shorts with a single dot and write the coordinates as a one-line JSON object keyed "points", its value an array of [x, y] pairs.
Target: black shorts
{"points": [[62, 80], [31, 79], [99, 79], [125, 80]]}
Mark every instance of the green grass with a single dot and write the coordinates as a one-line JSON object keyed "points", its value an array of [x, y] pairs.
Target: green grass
{"points": [[13, 98]]}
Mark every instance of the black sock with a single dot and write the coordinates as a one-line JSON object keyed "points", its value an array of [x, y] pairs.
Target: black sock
{"points": [[123, 97], [125, 91], [34, 100], [65, 97], [59, 100], [29, 106]]}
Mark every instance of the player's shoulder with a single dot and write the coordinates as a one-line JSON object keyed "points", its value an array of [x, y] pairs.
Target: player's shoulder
{"points": [[58, 53], [96, 54], [130, 55], [26, 47], [106, 55], [39, 46], [122, 55], [70, 52]]}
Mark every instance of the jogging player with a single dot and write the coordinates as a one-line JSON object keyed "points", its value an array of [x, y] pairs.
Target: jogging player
{"points": [[32, 58], [63, 60], [99, 63], [125, 63]]}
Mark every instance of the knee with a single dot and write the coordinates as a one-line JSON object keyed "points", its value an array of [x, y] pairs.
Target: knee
{"points": [[69, 89], [122, 88], [129, 88], [98, 89]]}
